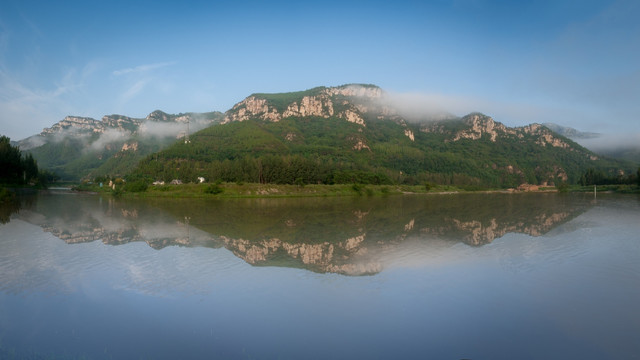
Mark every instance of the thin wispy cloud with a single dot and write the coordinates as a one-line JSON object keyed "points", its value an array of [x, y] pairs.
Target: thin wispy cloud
{"points": [[142, 68], [23, 103], [16, 96], [20, 104], [134, 90]]}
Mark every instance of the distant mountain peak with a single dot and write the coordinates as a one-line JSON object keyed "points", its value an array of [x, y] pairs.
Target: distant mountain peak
{"points": [[478, 126], [158, 115], [78, 146], [570, 132]]}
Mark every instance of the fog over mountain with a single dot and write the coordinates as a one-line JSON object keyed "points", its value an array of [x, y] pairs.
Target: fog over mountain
{"points": [[622, 146], [80, 146], [618, 145]]}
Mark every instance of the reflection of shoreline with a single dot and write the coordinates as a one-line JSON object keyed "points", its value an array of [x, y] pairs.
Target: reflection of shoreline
{"points": [[325, 235]]}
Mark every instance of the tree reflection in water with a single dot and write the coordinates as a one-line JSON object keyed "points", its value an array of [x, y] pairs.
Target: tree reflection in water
{"points": [[339, 235]]}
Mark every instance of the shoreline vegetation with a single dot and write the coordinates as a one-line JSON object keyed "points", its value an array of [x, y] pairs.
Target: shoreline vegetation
{"points": [[256, 190]]}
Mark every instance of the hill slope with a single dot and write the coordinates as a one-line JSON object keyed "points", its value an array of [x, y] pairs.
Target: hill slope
{"points": [[78, 147], [352, 133]]}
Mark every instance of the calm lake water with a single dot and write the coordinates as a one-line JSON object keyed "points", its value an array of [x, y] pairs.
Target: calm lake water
{"points": [[482, 276]]}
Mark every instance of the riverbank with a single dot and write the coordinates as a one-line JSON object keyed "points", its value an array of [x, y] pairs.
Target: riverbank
{"points": [[248, 190], [253, 190]]}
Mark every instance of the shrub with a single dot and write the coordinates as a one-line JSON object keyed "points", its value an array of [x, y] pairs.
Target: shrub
{"points": [[213, 189], [136, 186], [117, 191]]}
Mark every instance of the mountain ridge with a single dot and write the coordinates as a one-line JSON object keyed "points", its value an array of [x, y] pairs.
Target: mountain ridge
{"points": [[77, 147], [353, 133], [347, 133]]}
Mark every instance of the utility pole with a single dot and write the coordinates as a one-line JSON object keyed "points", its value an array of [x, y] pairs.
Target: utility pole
{"points": [[186, 136]]}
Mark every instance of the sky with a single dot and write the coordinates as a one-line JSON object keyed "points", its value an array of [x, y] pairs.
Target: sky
{"points": [[574, 63]]}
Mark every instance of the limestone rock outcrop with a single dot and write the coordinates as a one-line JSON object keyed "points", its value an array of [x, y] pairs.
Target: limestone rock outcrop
{"points": [[349, 102]]}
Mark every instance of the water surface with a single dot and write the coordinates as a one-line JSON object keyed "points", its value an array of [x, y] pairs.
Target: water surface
{"points": [[477, 276]]}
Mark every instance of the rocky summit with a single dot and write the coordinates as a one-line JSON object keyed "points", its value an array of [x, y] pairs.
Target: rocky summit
{"points": [[345, 102]]}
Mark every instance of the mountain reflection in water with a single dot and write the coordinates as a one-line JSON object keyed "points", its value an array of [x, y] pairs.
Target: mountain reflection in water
{"points": [[341, 235]]}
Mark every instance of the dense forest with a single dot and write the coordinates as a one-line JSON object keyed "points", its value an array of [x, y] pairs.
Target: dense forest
{"points": [[19, 169], [598, 177], [329, 151]]}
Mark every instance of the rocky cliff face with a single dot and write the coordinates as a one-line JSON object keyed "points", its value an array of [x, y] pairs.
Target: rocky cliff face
{"points": [[75, 123], [121, 123], [349, 102], [126, 124], [479, 126], [355, 103]]}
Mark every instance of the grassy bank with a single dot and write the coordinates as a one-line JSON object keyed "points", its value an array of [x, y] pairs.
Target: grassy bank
{"points": [[247, 190], [619, 189]]}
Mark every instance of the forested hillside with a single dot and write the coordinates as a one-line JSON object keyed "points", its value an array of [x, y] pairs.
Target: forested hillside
{"points": [[80, 147], [350, 134]]}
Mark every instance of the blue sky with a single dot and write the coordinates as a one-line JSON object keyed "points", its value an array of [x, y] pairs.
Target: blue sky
{"points": [[575, 63]]}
